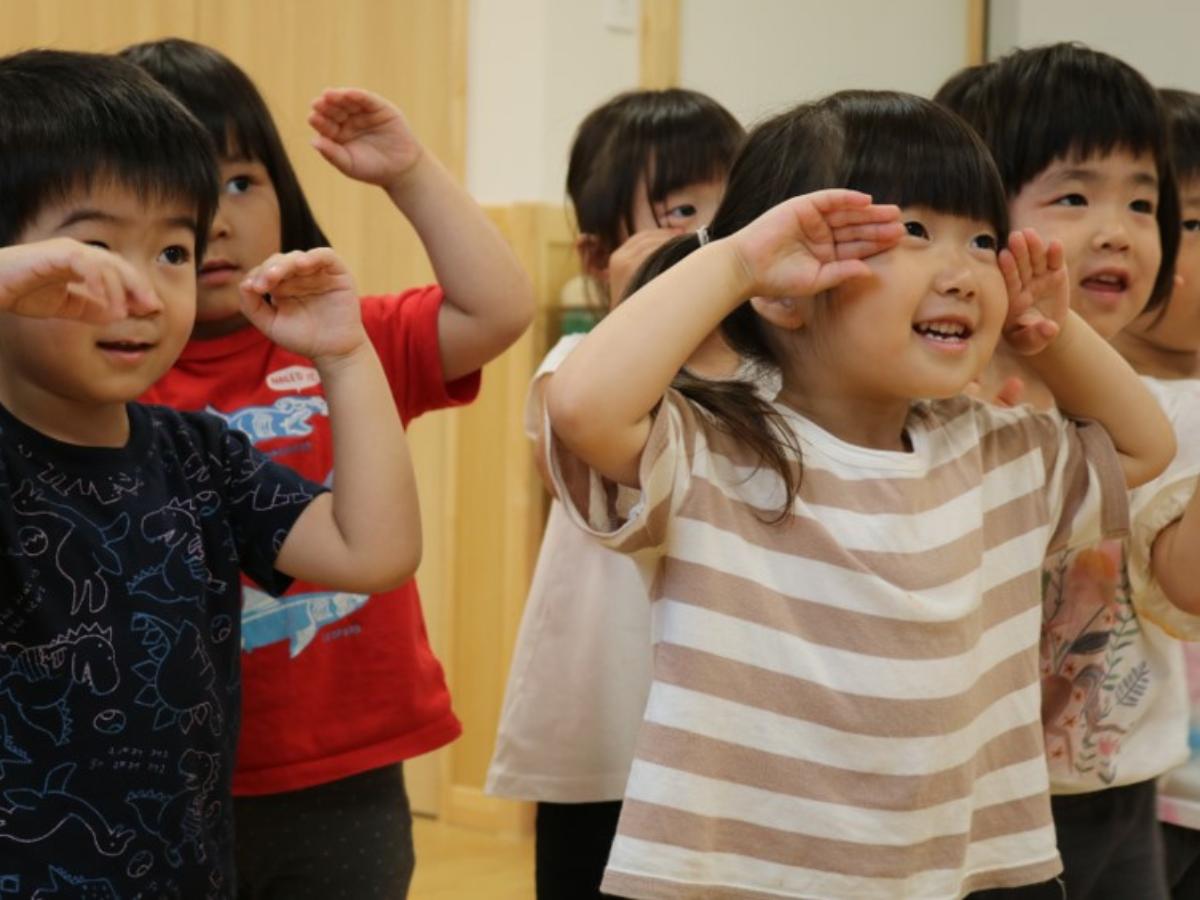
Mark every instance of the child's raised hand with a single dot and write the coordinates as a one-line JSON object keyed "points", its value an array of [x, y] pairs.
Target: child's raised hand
{"points": [[363, 135], [628, 258], [814, 242], [65, 279], [305, 301], [1039, 295]]}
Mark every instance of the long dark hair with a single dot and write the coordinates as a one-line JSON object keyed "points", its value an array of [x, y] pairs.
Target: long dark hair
{"points": [[230, 107], [667, 139], [1035, 106], [898, 148]]}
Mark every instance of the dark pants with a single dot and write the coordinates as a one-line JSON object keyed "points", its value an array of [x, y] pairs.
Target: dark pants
{"points": [[346, 840], [573, 843], [1183, 861], [1111, 844], [1047, 890]]}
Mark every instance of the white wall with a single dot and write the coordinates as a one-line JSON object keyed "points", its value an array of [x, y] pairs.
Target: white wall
{"points": [[762, 56], [1158, 37], [537, 67]]}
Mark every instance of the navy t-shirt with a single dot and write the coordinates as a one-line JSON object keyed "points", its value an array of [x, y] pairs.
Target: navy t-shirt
{"points": [[119, 651]]}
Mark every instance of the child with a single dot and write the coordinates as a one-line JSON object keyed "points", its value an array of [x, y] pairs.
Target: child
{"points": [[124, 526], [845, 676], [330, 716], [645, 166], [1165, 347], [1111, 683]]}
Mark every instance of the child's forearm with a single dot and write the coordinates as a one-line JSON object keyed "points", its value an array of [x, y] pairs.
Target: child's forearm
{"points": [[375, 507], [600, 398], [489, 299], [1174, 557], [1090, 380]]}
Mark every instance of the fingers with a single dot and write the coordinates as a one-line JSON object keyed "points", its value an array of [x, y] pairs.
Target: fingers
{"points": [[834, 273], [861, 241], [106, 287], [293, 274]]}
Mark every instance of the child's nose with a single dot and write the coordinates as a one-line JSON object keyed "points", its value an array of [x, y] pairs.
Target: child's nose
{"points": [[144, 303], [956, 281], [220, 225], [1111, 235]]}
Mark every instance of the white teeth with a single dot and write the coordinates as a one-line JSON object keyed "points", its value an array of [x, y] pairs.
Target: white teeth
{"points": [[942, 329]]}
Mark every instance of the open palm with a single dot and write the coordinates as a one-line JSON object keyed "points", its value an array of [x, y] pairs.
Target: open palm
{"points": [[306, 302], [363, 135], [813, 242]]}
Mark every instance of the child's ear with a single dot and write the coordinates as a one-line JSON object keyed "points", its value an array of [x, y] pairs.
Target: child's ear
{"points": [[592, 256], [783, 312]]}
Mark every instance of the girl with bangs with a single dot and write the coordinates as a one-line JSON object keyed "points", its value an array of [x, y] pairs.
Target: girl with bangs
{"points": [[1113, 681], [846, 580], [645, 167], [338, 688]]}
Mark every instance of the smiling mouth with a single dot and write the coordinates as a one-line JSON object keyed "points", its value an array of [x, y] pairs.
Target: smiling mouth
{"points": [[948, 332], [1107, 282]]}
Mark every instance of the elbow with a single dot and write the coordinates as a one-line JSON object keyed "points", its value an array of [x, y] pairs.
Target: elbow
{"points": [[391, 569], [571, 412], [1147, 466]]}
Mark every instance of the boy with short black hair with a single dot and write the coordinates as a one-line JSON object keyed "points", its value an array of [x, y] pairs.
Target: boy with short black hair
{"points": [[124, 526]]}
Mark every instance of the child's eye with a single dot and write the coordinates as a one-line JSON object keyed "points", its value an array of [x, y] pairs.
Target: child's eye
{"points": [[1191, 224], [100, 244], [917, 229], [985, 242], [682, 211], [176, 255], [238, 184], [1071, 200], [1142, 206]]}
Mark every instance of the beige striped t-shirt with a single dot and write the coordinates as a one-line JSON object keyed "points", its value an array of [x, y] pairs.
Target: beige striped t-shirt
{"points": [[846, 704]]}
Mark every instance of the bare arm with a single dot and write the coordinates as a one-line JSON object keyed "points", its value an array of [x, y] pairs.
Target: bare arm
{"points": [[489, 299], [1173, 559], [366, 535], [601, 398]]}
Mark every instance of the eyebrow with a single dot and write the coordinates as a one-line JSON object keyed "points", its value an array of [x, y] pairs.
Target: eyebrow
{"points": [[1090, 176], [98, 215]]}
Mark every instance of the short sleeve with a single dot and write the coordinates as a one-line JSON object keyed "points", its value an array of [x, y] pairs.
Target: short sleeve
{"points": [[404, 330], [1084, 485], [626, 520], [533, 406], [263, 501]]}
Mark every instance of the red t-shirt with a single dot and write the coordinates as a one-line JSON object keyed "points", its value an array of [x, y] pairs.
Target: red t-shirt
{"points": [[333, 684]]}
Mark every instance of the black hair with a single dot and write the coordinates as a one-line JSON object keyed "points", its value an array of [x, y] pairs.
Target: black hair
{"points": [[1062, 101], [960, 90], [898, 148], [1183, 121], [666, 138], [75, 120], [230, 107]]}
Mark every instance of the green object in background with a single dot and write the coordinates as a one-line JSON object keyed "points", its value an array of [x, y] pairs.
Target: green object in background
{"points": [[576, 320]]}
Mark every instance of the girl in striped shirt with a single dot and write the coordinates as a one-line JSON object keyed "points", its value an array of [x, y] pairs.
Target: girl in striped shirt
{"points": [[845, 582]]}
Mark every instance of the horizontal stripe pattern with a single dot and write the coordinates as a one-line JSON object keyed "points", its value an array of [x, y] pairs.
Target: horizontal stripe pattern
{"points": [[846, 703]]}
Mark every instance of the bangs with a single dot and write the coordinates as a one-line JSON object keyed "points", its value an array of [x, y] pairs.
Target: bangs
{"points": [[110, 124], [696, 148], [1061, 102], [908, 151]]}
